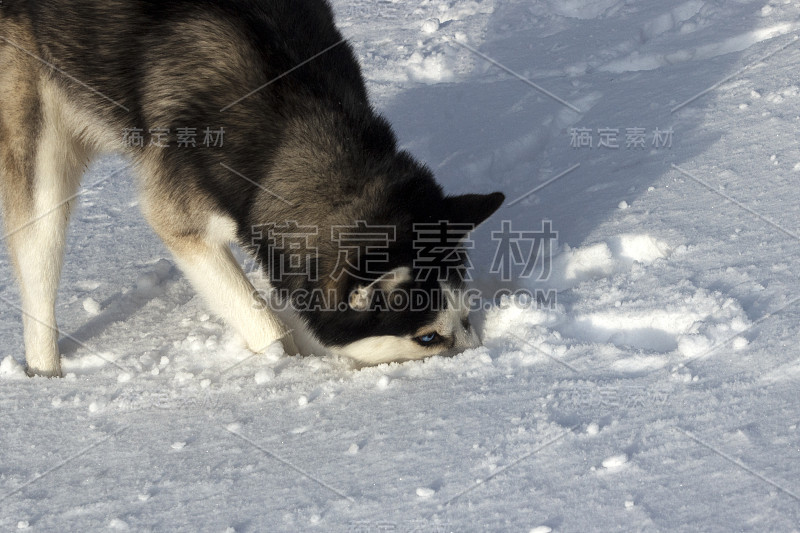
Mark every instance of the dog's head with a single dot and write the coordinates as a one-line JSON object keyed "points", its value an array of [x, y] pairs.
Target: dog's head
{"points": [[409, 300]]}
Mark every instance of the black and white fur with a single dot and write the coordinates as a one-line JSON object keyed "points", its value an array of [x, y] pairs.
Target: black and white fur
{"points": [[74, 75]]}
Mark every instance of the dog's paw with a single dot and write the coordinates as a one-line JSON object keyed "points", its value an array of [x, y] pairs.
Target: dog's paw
{"points": [[43, 373], [289, 345]]}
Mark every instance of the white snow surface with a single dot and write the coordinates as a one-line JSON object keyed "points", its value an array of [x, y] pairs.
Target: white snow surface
{"points": [[659, 392]]}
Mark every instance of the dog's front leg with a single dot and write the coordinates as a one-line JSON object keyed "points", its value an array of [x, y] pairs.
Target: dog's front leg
{"points": [[217, 276], [199, 241]]}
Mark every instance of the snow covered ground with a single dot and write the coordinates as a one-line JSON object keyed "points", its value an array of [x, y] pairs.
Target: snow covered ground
{"points": [[659, 392]]}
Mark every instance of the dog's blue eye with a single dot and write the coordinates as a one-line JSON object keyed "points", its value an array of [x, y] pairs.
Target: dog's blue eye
{"points": [[427, 339]]}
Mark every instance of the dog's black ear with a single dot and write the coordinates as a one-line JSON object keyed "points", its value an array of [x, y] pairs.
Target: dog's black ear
{"points": [[473, 208]]}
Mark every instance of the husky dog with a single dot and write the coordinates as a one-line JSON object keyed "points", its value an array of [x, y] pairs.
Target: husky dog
{"points": [[302, 147]]}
